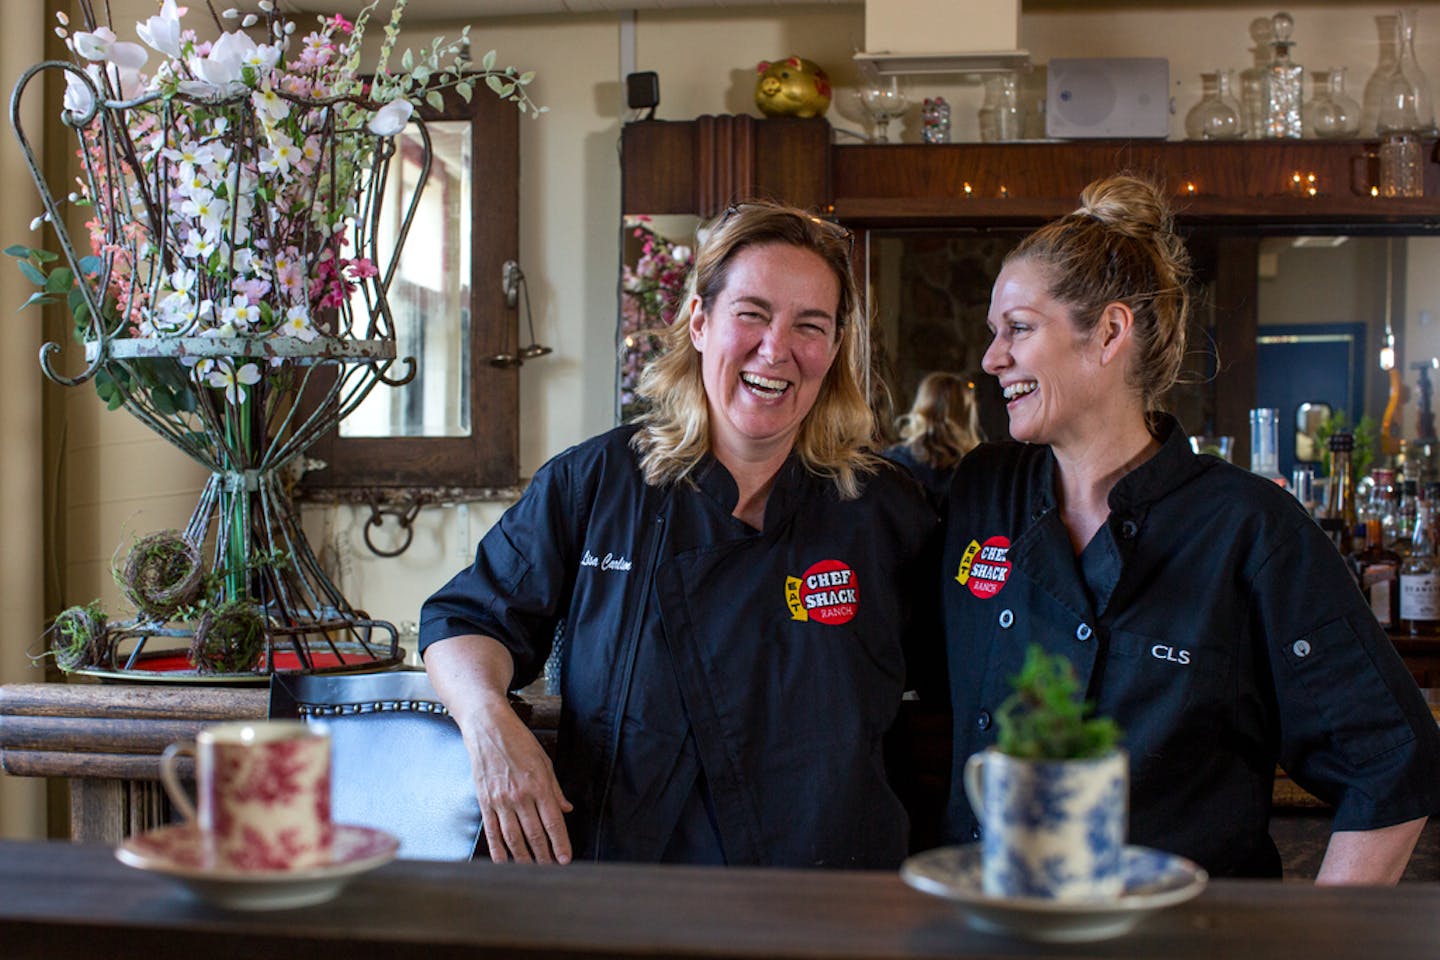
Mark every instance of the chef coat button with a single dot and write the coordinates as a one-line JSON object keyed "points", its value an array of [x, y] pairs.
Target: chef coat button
{"points": [[1128, 528], [983, 720], [1082, 632], [1006, 618], [975, 832], [1039, 513], [1301, 648]]}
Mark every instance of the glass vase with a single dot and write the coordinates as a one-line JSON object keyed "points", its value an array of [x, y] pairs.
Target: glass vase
{"points": [[1213, 118], [1331, 113]]}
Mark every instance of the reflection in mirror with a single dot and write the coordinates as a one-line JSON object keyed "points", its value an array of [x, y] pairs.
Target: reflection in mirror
{"points": [[1309, 418], [430, 294]]}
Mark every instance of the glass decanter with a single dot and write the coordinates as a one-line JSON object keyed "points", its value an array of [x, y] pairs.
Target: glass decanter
{"points": [[1387, 26], [1000, 113], [1252, 80], [1213, 118], [1282, 83], [1410, 67], [1331, 113]]}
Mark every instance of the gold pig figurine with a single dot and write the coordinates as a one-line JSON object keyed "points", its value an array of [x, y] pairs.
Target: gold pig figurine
{"points": [[794, 87]]}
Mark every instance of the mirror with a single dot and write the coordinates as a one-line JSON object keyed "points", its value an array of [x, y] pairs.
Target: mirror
{"points": [[452, 433], [430, 295]]}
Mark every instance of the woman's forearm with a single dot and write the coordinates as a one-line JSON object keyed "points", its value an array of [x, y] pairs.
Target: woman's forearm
{"points": [[1369, 856]]}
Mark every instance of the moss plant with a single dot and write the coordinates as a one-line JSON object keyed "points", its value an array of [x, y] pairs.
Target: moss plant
{"points": [[229, 638], [1045, 718], [162, 574]]}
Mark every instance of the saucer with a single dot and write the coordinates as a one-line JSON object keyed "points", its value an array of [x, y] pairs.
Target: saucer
{"points": [[178, 852], [1153, 879]]}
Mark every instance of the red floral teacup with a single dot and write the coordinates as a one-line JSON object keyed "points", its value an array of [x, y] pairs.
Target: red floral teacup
{"points": [[263, 793]]}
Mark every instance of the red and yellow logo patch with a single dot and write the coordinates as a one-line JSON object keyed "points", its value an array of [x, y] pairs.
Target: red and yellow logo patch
{"points": [[984, 568], [829, 593]]}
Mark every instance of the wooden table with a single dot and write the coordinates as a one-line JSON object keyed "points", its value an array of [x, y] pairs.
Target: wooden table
{"points": [[105, 740], [61, 901]]}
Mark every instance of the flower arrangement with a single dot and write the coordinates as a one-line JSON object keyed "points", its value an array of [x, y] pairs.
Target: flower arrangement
{"points": [[225, 196], [235, 190], [651, 293]]}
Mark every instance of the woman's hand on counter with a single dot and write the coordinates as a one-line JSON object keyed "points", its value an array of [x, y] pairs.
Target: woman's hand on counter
{"points": [[522, 807]]}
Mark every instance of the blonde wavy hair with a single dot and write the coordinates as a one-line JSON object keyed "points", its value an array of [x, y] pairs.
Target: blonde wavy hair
{"points": [[943, 423], [1120, 246], [835, 436]]}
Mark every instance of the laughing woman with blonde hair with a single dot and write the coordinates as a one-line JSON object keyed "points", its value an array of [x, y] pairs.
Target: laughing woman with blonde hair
{"points": [[735, 573]]}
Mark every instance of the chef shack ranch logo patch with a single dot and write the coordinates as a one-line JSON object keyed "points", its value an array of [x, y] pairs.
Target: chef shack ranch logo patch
{"points": [[828, 593], [984, 568]]}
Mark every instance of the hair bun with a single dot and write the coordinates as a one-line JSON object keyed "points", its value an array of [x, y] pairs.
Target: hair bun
{"points": [[1132, 205]]}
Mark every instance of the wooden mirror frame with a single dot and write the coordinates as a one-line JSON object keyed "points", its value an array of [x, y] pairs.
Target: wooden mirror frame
{"points": [[483, 465]]}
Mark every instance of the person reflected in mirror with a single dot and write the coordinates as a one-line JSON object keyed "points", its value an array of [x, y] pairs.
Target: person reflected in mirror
{"points": [[737, 572], [1203, 608], [942, 426]]}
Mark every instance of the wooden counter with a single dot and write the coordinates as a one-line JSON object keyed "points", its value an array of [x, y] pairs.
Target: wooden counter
{"points": [[61, 901]]}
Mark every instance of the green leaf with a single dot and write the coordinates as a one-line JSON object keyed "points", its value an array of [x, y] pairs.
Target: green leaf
{"points": [[164, 403], [18, 250], [435, 99], [60, 281], [495, 83], [408, 60], [45, 256], [487, 63], [466, 90], [32, 273], [38, 298], [527, 76]]}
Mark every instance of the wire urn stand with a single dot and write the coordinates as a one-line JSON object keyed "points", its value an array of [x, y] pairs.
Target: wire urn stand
{"points": [[234, 300]]}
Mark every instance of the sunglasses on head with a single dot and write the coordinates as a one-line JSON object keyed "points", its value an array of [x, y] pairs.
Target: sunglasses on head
{"points": [[839, 230]]}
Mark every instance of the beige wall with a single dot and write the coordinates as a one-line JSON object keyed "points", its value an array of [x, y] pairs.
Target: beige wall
{"points": [[117, 479]]}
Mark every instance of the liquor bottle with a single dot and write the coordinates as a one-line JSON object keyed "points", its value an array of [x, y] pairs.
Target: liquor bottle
{"points": [[1376, 566], [1339, 519], [1404, 518], [1420, 573], [1282, 83]]}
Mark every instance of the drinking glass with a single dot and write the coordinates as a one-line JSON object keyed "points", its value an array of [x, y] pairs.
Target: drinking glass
{"points": [[885, 99]]}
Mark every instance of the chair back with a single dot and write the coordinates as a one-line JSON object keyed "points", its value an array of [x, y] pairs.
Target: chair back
{"points": [[398, 761]]}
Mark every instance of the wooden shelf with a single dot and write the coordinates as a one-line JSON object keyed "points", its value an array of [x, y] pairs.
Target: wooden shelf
{"points": [[699, 166]]}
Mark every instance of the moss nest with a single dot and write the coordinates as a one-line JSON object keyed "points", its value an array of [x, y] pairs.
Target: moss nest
{"points": [[228, 638], [161, 575], [80, 637]]}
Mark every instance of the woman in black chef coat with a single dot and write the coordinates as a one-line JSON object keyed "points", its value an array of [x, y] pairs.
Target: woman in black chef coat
{"points": [[1205, 610], [735, 573], [942, 426]]}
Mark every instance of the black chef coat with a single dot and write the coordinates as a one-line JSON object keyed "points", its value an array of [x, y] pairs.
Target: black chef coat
{"points": [[1213, 620], [764, 666]]}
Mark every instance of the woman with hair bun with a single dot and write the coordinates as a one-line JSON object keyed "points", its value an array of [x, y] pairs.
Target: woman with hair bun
{"points": [[1203, 609], [736, 574], [942, 426]]}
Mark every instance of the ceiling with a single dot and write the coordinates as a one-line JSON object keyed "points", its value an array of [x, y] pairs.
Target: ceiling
{"points": [[437, 10]]}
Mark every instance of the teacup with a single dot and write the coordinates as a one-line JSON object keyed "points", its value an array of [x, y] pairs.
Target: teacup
{"points": [[263, 793], [1050, 828]]}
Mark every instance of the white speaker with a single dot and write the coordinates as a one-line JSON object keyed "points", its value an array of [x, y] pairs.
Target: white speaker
{"points": [[1112, 97]]}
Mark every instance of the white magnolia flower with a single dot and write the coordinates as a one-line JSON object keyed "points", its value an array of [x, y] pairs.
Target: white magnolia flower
{"points": [[79, 97], [240, 313], [162, 31], [103, 45], [182, 281], [279, 155], [391, 118]]}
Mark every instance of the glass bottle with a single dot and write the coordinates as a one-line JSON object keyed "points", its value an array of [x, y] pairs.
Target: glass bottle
{"points": [[1420, 573], [1007, 108], [1410, 68], [1330, 113], [1252, 80], [1282, 83], [1264, 443], [1387, 26], [989, 109], [1377, 566], [1213, 118], [1340, 517], [1404, 518]]}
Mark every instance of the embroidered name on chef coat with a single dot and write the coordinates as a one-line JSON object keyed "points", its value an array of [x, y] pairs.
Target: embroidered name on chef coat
{"points": [[984, 568], [828, 593], [608, 562]]}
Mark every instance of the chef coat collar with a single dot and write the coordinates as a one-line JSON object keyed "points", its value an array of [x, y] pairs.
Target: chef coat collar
{"points": [[792, 484]]}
